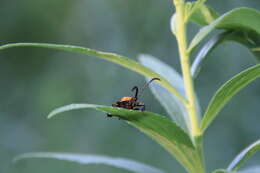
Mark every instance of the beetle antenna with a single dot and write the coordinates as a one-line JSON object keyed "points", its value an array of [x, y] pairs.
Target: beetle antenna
{"points": [[147, 84], [136, 91]]}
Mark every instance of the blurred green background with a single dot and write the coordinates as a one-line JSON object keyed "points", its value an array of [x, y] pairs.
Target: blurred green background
{"points": [[33, 81]]}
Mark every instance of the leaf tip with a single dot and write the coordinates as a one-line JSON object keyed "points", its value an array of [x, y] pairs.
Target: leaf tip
{"points": [[50, 115], [17, 159]]}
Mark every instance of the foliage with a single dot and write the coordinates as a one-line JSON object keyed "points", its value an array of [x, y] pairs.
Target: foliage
{"points": [[243, 156], [182, 137]]}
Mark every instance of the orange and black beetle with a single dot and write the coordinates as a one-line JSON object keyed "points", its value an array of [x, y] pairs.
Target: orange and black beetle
{"points": [[131, 102]]}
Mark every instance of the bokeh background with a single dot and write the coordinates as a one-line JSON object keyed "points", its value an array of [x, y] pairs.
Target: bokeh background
{"points": [[34, 81]]}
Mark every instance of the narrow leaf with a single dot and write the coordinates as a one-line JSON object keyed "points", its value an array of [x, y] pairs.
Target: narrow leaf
{"points": [[244, 155], [146, 121], [117, 59], [122, 163], [163, 131], [203, 53], [238, 19], [204, 15], [227, 91], [221, 171], [171, 103], [249, 39]]}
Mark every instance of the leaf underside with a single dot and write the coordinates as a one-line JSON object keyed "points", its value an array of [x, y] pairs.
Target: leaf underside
{"points": [[244, 155], [239, 31], [122, 163], [249, 39], [243, 19], [171, 103]]}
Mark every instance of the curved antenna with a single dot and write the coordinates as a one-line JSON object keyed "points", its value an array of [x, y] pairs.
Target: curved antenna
{"points": [[136, 91], [146, 85]]}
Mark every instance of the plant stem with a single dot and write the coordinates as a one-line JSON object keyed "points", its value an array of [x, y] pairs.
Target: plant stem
{"points": [[181, 35], [185, 65]]}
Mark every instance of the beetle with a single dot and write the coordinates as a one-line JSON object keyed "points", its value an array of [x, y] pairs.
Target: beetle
{"points": [[131, 102]]}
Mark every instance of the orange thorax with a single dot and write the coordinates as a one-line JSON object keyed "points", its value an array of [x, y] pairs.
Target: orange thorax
{"points": [[128, 99]]}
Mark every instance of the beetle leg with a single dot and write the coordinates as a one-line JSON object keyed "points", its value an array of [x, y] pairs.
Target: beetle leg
{"points": [[142, 106], [109, 115]]}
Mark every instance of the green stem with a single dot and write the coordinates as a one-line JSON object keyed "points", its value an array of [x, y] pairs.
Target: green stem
{"points": [[185, 65], [181, 35]]}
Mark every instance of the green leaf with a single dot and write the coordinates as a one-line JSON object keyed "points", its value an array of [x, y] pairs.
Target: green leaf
{"points": [[227, 91], [221, 171], [256, 52], [257, 49], [171, 103], [203, 53], [146, 121], [244, 19], [170, 136], [117, 59], [197, 12], [244, 155], [122, 163], [249, 39], [204, 15]]}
